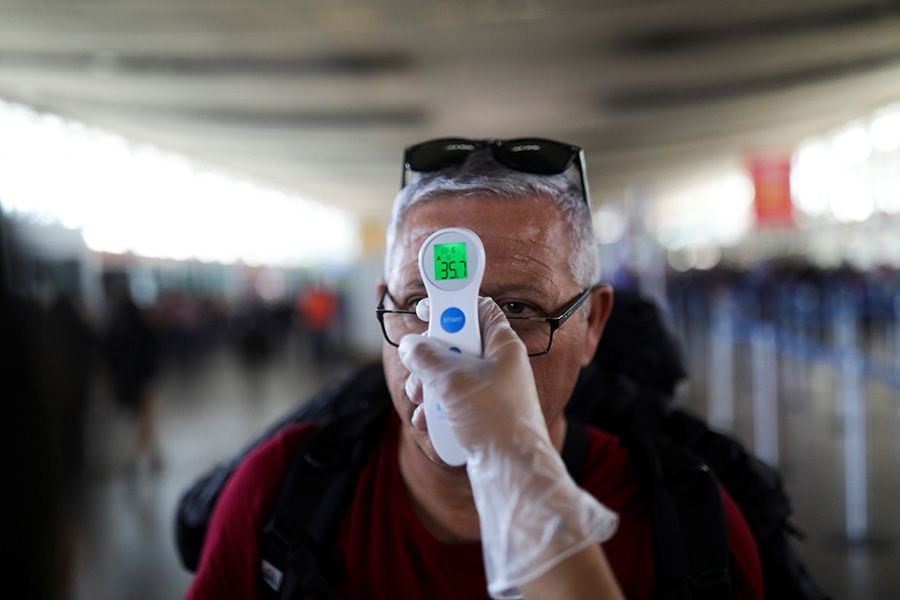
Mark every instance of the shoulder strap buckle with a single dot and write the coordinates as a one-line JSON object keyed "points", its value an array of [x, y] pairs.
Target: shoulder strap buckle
{"points": [[275, 546], [271, 575], [325, 452], [711, 579]]}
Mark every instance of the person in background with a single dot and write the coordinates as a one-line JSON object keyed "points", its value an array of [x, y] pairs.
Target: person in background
{"points": [[43, 357], [131, 352]]}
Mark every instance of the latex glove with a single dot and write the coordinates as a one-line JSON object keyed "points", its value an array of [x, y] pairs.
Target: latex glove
{"points": [[532, 515], [413, 386]]}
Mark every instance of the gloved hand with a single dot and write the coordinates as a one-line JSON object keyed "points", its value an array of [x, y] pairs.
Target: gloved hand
{"points": [[531, 513]]}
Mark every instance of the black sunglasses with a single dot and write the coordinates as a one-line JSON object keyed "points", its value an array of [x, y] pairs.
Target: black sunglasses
{"points": [[528, 155]]}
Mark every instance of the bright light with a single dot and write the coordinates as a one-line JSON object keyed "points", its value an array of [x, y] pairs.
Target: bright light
{"points": [[733, 201], [811, 178], [850, 199], [884, 132], [682, 260], [609, 225], [706, 258], [887, 196], [137, 198], [834, 174], [717, 212], [851, 144]]}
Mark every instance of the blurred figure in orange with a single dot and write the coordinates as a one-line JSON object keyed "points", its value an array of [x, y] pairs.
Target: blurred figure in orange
{"points": [[318, 308]]}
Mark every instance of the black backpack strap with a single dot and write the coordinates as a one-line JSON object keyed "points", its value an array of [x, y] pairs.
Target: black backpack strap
{"points": [[575, 448], [759, 492], [197, 503], [297, 544], [690, 532]]}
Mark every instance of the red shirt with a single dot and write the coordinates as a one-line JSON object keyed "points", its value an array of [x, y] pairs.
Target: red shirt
{"points": [[388, 552]]}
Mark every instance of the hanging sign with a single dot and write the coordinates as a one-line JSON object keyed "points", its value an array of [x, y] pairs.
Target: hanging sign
{"points": [[772, 197]]}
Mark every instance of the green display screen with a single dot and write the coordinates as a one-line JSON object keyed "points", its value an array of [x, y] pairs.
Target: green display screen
{"points": [[450, 261]]}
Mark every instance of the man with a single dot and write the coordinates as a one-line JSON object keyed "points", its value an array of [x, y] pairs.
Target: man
{"points": [[512, 521]]}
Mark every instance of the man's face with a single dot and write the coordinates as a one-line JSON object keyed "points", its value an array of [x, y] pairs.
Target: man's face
{"points": [[528, 247]]}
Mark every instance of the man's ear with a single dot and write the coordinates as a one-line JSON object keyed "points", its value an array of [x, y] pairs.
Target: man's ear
{"points": [[380, 285], [601, 307]]}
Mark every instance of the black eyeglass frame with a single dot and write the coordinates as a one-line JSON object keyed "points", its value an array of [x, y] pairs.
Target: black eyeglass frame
{"points": [[555, 322], [495, 146]]}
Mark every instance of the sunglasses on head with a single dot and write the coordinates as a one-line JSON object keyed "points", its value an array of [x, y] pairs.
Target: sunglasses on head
{"points": [[527, 155]]}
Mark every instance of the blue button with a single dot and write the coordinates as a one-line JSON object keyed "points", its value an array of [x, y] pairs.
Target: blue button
{"points": [[455, 349], [452, 320]]}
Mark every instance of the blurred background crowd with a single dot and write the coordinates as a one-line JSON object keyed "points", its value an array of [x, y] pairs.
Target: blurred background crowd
{"points": [[193, 198]]}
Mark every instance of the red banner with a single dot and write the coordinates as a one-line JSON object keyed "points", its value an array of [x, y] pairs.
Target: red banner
{"points": [[772, 197]]}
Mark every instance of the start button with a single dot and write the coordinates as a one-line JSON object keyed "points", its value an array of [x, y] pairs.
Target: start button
{"points": [[452, 320]]}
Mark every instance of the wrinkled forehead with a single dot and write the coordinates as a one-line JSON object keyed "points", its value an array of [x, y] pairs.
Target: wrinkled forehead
{"points": [[527, 236]]}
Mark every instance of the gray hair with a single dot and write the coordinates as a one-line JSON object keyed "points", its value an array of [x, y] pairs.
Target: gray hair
{"points": [[481, 175]]}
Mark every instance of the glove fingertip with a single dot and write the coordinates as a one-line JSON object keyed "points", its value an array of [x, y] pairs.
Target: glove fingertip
{"points": [[495, 327], [423, 309], [418, 352]]}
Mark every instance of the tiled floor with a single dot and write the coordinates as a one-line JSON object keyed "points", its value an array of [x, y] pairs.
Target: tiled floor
{"points": [[811, 431], [125, 546]]}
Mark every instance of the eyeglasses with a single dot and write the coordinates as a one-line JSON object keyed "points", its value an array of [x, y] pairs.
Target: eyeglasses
{"points": [[528, 155], [535, 332]]}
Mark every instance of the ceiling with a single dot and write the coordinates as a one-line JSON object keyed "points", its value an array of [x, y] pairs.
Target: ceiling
{"points": [[318, 97]]}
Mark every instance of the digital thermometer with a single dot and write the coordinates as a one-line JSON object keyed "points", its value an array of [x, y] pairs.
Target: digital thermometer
{"points": [[451, 262]]}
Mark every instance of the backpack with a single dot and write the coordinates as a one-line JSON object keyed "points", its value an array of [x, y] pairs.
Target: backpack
{"points": [[627, 390], [297, 543], [197, 503]]}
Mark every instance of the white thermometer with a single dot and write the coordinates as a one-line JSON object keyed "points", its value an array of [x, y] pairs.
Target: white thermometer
{"points": [[451, 262]]}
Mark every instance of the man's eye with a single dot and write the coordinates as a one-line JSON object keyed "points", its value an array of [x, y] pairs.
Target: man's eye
{"points": [[519, 309]]}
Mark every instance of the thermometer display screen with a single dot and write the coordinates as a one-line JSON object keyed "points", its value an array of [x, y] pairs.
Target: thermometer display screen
{"points": [[450, 261]]}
